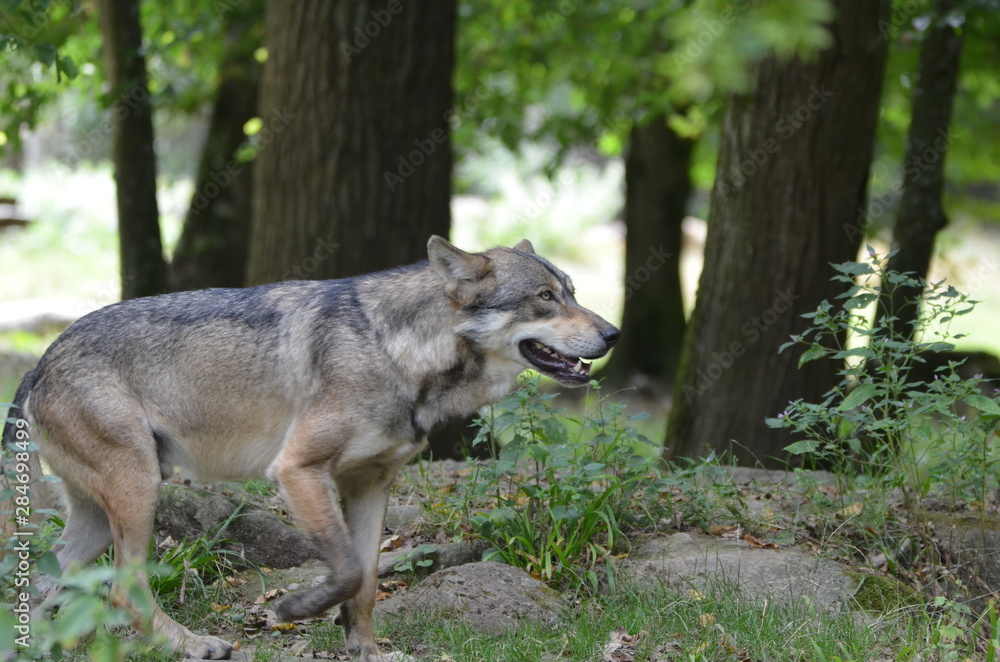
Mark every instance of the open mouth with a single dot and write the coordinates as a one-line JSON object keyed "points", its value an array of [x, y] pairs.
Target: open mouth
{"points": [[571, 371]]}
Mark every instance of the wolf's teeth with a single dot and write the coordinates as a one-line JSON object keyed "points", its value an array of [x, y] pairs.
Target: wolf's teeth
{"points": [[579, 366]]}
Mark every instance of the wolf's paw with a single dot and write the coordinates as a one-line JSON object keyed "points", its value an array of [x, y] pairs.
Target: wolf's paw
{"points": [[369, 652], [395, 656], [207, 648]]}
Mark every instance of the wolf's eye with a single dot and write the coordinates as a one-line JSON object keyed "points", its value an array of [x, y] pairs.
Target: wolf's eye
{"points": [[546, 295]]}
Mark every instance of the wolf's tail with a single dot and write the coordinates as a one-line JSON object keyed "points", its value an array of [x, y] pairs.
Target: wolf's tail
{"points": [[26, 495], [18, 409]]}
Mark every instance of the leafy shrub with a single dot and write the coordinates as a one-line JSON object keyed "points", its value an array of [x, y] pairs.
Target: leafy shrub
{"points": [[562, 493], [882, 419]]}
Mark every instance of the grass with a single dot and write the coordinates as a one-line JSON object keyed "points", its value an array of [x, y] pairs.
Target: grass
{"points": [[657, 624]]}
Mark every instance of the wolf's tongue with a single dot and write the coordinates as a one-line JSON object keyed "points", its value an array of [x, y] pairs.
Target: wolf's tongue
{"points": [[545, 356]]}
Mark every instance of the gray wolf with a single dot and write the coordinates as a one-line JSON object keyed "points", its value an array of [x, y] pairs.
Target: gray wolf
{"points": [[306, 382]]}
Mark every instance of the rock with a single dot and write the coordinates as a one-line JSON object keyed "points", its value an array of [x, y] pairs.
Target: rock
{"points": [[491, 597], [445, 555], [266, 539], [971, 545], [401, 517], [697, 561]]}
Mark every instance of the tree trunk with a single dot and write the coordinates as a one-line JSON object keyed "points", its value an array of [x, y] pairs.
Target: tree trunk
{"points": [[212, 250], [657, 188], [354, 169], [792, 173], [143, 268], [354, 172], [921, 214]]}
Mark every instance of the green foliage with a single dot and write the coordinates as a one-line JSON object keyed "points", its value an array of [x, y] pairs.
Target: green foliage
{"points": [[198, 564], [52, 56], [563, 492], [572, 72], [915, 434], [82, 613], [553, 504], [970, 160]]}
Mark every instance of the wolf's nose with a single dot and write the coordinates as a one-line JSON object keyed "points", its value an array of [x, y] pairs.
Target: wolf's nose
{"points": [[611, 335]]}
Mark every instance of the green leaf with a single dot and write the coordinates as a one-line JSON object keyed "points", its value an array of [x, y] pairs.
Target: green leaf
{"points": [[802, 447], [860, 301], [49, 564], [45, 53], [864, 352], [857, 396], [985, 405], [854, 268], [68, 67], [79, 617], [811, 354]]}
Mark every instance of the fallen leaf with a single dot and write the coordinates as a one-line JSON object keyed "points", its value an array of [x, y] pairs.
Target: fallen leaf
{"points": [[391, 543], [756, 544], [168, 543], [706, 620], [621, 647], [270, 595], [850, 511]]}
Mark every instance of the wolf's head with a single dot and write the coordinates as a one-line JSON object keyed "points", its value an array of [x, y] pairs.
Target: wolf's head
{"points": [[517, 306]]}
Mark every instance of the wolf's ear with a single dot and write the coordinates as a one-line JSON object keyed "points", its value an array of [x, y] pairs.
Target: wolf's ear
{"points": [[524, 246], [460, 271]]}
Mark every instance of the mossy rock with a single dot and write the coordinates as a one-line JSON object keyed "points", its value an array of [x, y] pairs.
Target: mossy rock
{"points": [[882, 594]]}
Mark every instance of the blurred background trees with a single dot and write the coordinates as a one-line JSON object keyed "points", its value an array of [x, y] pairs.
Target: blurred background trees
{"points": [[318, 140]]}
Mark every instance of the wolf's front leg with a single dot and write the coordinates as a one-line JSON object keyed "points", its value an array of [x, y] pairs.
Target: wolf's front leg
{"points": [[364, 498], [307, 492]]}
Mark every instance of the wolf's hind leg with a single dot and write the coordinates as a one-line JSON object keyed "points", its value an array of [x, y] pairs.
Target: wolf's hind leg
{"points": [[86, 536], [364, 500], [130, 504]]}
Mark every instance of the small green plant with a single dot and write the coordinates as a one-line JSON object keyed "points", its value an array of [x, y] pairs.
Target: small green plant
{"points": [[554, 503], [410, 562], [882, 420]]}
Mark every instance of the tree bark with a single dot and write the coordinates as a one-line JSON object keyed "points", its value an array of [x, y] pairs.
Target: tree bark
{"points": [[657, 188], [354, 174], [792, 173], [212, 250], [354, 168], [921, 212], [143, 268]]}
